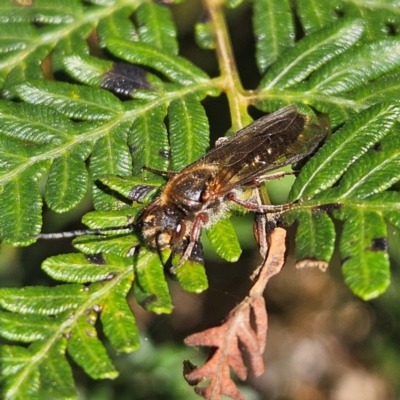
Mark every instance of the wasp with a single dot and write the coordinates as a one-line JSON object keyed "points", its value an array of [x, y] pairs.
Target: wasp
{"points": [[201, 193]]}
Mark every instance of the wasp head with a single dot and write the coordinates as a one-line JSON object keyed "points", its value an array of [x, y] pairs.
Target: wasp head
{"points": [[163, 226]]}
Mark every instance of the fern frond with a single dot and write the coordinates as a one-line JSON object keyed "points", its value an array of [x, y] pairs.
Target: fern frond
{"points": [[76, 115], [62, 318], [363, 248]]}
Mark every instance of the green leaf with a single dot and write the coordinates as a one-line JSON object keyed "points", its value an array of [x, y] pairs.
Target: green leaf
{"points": [[204, 36], [343, 149], [43, 12], [176, 68], [47, 353], [42, 300], [118, 25], [127, 186], [376, 171], [363, 248], [56, 374], [20, 206], [87, 69], [13, 358], [352, 69], [74, 43], [150, 287], [148, 141], [110, 155], [118, 321], [117, 241], [28, 389], [274, 30], [376, 16], [33, 124], [87, 350], [388, 204], [223, 239], [111, 218], [68, 179], [311, 53], [385, 88], [16, 37], [80, 268], [73, 101], [189, 131], [155, 27], [25, 328], [27, 68], [315, 237], [357, 200], [192, 277], [121, 245], [314, 16]]}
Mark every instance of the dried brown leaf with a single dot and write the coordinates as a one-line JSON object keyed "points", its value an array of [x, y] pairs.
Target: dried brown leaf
{"points": [[247, 325]]}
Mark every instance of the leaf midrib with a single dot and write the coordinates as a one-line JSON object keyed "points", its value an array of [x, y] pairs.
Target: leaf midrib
{"points": [[64, 327], [99, 132], [65, 29]]}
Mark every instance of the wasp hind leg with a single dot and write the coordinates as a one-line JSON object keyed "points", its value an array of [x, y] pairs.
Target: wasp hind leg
{"points": [[259, 207], [272, 177]]}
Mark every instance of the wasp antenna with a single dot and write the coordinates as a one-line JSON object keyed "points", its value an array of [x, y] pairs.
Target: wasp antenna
{"points": [[83, 232], [65, 235]]}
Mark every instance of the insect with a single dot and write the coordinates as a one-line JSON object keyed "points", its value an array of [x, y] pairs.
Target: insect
{"points": [[197, 196], [201, 193]]}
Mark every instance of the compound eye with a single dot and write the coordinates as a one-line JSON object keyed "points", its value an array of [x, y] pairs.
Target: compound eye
{"points": [[179, 232]]}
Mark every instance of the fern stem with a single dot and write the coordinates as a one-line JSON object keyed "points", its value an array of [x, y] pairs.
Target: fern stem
{"points": [[229, 80]]}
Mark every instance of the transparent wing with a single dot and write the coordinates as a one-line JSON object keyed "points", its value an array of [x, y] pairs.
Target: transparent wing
{"points": [[270, 142]]}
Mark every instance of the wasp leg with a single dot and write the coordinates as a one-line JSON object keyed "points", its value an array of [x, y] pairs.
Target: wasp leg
{"points": [[195, 234], [259, 207], [272, 177], [168, 174]]}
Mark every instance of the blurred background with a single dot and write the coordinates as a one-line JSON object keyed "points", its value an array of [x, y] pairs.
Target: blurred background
{"points": [[323, 342]]}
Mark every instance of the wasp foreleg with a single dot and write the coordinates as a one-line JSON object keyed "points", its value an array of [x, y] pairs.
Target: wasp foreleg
{"points": [[168, 174], [195, 234]]}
